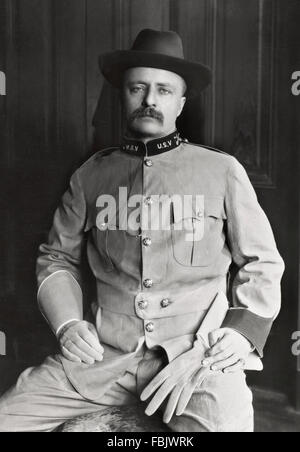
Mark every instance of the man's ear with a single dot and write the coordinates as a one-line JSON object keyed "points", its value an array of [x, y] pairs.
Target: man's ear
{"points": [[182, 104]]}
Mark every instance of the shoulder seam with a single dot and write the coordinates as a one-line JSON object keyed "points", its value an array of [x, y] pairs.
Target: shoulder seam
{"points": [[210, 148], [97, 154]]}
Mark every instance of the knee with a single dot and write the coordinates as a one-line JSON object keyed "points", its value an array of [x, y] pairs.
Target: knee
{"points": [[2, 408], [3, 418], [220, 404]]}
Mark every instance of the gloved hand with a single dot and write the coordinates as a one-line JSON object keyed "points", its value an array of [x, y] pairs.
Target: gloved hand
{"points": [[177, 380], [79, 342]]}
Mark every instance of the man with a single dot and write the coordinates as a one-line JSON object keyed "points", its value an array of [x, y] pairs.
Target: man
{"points": [[163, 221]]}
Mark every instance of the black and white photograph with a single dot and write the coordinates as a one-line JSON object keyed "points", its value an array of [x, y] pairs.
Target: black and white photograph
{"points": [[150, 218]]}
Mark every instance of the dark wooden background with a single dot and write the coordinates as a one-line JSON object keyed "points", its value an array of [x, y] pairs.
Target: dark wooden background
{"points": [[55, 93]]}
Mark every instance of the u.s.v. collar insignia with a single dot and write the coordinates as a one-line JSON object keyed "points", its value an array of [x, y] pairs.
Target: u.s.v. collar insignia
{"points": [[153, 147]]}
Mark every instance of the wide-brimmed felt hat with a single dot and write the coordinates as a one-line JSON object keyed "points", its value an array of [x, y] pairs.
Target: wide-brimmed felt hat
{"points": [[155, 49]]}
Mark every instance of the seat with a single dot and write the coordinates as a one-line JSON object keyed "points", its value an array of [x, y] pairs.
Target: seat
{"points": [[115, 419]]}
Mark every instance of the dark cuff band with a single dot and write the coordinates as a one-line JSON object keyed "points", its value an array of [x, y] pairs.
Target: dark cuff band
{"points": [[255, 328]]}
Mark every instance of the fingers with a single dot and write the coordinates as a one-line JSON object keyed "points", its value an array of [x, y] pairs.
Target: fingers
{"points": [[172, 403], [159, 397], [212, 361], [81, 340], [92, 329], [222, 345], [92, 339], [189, 389], [230, 343], [70, 356], [222, 365], [185, 397], [221, 349], [215, 336], [74, 350], [234, 368], [84, 346], [154, 384]]}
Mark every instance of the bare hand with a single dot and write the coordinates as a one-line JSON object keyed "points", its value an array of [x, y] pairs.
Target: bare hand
{"points": [[228, 352], [79, 342]]}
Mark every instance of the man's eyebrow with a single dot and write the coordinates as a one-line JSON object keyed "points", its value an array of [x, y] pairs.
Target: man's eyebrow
{"points": [[140, 82], [166, 85], [136, 82]]}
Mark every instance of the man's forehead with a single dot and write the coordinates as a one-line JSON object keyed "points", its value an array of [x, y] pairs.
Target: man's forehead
{"points": [[152, 74]]}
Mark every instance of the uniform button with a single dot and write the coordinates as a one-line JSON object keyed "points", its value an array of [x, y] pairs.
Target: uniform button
{"points": [[149, 162], [150, 327], [148, 283], [148, 201], [165, 303], [143, 304], [147, 241], [200, 214]]}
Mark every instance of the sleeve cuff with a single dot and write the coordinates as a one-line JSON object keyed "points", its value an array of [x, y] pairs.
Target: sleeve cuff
{"points": [[65, 324], [254, 327]]}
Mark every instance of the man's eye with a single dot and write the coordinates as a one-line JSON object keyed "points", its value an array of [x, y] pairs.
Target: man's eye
{"points": [[136, 89], [164, 91]]}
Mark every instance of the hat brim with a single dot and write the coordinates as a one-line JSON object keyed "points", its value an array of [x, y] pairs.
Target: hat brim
{"points": [[113, 65]]}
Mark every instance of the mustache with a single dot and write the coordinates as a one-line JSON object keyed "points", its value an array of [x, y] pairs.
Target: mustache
{"points": [[149, 112]]}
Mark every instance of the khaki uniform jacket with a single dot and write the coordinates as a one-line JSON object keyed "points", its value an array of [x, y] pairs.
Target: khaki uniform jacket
{"points": [[155, 283]]}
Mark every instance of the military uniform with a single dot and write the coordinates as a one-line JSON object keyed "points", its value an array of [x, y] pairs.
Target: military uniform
{"points": [[154, 285]]}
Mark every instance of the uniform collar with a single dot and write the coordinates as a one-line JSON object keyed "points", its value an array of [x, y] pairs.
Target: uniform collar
{"points": [[153, 147]]}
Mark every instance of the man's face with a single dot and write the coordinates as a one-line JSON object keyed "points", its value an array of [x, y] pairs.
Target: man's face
{"points": [[152, 101]]}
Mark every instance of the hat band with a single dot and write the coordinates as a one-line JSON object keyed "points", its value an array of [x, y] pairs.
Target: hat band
{"points": [[153, 147]]}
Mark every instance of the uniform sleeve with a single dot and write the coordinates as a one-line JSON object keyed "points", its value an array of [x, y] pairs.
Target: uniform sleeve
{"points": [[256, 287], [58, 263]]}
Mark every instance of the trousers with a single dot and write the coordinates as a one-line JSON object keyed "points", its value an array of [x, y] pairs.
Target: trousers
{"points": [[43, 398]]}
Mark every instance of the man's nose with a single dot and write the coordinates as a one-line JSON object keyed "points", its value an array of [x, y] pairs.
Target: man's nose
{"points": [[149, 98]]}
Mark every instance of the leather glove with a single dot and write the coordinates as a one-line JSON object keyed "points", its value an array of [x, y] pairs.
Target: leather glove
{"points": [[177, 380]]}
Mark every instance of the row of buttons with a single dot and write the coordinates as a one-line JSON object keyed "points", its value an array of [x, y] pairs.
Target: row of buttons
{"points": [[143, 304], [148, 283]]}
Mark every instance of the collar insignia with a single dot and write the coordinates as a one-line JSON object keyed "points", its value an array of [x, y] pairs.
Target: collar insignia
{"points": [[153, 147]]}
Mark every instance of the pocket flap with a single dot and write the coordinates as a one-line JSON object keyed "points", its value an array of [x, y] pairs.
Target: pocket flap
{"points": [[214, 207], [198, 207], [100, 220], [188, 207]]}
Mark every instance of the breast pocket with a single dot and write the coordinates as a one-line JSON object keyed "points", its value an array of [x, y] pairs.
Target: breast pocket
{"points": [[113, 240], [198, 236], [98, 238]]}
